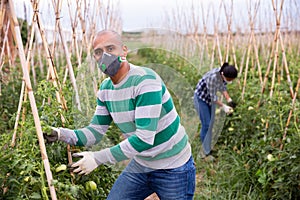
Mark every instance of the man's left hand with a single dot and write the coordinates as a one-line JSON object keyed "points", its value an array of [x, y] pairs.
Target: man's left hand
{"points": [[91, 160]]}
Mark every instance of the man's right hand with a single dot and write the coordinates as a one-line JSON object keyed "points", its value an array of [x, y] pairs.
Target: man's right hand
{"points": [[53, 136]]}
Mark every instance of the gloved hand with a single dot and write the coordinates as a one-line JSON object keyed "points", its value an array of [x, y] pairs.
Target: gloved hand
{"points": [[231, 103], [91, 160], [53, 136], [227, 109]]}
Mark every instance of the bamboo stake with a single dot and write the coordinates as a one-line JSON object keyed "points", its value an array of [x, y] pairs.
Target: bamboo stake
{"points": [[66, 75], [4, 42], [257, 57], [73, 24], [57, 12], [18, 40], [33, 70], [229, 34], [242, 61], [233, 52], [71, 72], [286, 66], [278, 18], [83, 25], [252, 19], [52, 70], [57, 7], [272, 54], [289, 20], [41, 64], [291, 112], [13, 142], [10, 44], [274, 67], [229, 41], [282, 47], [252, 42], [74, 40], [247, 66], [205, 29], [185, 44], [216, 40], [194, 25], [212, 55], [2, 13], [24, 110], [269, 66]]}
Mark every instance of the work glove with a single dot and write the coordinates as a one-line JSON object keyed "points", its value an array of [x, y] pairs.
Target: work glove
{"points": [[231, 103], [91, 160], [53, 136], [227, 109]]}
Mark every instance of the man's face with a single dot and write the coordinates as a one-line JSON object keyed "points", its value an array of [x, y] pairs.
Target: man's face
{"points": [[108, 43]]}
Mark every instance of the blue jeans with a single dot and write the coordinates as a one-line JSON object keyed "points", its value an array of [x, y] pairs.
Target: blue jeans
{"points": [[204, 112], [137, 182]]}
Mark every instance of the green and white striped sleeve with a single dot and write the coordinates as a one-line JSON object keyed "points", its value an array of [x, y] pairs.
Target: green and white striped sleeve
{"points": [[91, 134]]}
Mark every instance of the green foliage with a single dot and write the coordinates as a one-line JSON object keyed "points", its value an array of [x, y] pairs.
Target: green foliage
{"points": [[250, 162], [24, 30], [22, 174], [253, 160], [9, 97], [172, 60]]}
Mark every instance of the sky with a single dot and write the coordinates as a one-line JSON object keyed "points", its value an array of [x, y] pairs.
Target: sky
{"points": [[144, 13], [140, 14], [135, 14]]}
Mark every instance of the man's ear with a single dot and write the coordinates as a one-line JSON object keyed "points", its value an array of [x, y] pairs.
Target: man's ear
{"points": [[125, 50]]}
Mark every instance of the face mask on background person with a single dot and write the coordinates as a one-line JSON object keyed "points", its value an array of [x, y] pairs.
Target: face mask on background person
{"points": [[110, 64], [228, 82], [224, 78]]}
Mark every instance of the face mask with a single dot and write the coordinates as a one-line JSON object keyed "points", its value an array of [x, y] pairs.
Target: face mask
{"points": [[228, 82], [110, 64]]}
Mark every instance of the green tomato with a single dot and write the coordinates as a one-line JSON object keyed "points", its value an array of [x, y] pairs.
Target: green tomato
{"points": [[27, 178], [61, 168], [250, 108], [90, 185], [230, 129], [270, 157]]}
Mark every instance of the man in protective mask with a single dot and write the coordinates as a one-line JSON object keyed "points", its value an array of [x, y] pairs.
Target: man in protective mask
{"points": [[139, 103]]}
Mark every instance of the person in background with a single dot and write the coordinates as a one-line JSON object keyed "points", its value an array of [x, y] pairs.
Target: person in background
{"points": [[139, 103], [206, 99]]}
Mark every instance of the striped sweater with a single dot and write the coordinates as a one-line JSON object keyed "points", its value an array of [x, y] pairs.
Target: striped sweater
{"points": [[142, 108]]}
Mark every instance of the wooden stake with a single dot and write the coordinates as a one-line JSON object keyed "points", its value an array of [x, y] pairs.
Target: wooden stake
{"points": [[69, 64], [52, 71], [4, 41], [204, 22], [34, 109], [13, 140], [216, 40], [274, 54], [291, 112]]}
